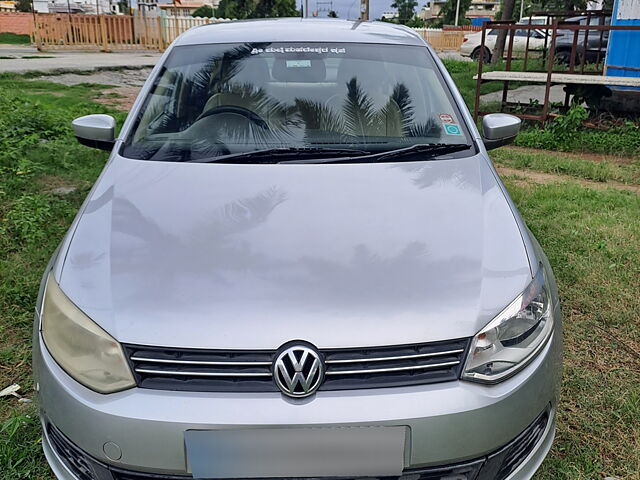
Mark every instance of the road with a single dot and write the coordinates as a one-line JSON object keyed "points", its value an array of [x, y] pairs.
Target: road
{"points": [[23, 59]]}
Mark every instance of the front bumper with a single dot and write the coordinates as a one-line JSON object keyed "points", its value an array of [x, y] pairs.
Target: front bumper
{"points": [[450, 423]]}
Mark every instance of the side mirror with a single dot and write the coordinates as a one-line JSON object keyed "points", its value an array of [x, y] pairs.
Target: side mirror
{"points": [[499, 129], [97, 131]]}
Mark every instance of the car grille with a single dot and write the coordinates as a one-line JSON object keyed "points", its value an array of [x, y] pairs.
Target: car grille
{"points": [[251, 371], [510, 457], [79, 463]]}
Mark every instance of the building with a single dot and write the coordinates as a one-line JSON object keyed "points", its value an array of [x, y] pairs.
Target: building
{"points": [[7, 6], [89, 7], [477, 9], [184, 7]]}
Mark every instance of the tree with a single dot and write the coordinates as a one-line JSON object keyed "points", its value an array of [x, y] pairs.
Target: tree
{"points": [[406, 9], [507, 14], [275, 8], [203, 11], [221, 11], [236, 9], [23, 5], [448, 12]]}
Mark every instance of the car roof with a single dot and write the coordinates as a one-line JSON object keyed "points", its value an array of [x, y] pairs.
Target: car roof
{"points": [[300, 30]]}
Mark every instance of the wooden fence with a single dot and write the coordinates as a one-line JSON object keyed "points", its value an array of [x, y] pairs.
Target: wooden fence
{"points": [[110, 32], [463, 28], [442, 39], [123, 32]]}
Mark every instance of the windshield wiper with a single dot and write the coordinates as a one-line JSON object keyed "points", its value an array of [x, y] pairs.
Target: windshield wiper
{"points": [[424, 150], [275, 155]]}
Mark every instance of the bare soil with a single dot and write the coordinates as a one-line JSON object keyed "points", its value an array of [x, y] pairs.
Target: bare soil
{"points": [[123, 89], [592, 157], [522, 177]]}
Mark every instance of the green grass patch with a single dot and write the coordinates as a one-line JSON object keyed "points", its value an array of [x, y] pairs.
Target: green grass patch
{"points": [[14, 39], [37, 154], [592, 238], [623, 140], [548, 162], [463, 73]]}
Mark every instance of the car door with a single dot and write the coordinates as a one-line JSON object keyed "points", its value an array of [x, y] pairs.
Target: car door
{"points": [[536, 41]]}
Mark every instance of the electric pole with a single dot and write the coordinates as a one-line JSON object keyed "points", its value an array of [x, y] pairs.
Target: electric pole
{"points": [[364, 9]]}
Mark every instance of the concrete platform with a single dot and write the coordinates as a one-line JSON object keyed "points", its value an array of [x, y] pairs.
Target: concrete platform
{"points": [[561, 78]]}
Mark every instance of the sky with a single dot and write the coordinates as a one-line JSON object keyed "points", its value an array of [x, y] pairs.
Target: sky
{"points": [[350, 9]]}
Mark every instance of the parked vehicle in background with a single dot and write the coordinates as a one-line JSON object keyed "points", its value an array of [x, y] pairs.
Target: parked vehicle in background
{"points": [[535, 20], [472, 43], [597, 41]]}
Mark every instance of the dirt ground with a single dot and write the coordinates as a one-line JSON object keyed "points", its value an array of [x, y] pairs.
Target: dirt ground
{"points": [[124, 84]]}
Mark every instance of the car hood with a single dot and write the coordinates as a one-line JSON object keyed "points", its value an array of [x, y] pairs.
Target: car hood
{"points": [[254, 256]]}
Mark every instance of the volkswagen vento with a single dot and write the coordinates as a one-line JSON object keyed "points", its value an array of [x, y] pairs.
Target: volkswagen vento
{"points": [[298, 262]]}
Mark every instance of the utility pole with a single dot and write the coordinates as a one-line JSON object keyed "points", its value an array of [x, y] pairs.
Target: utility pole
{"points": [[521, 9], [306, 9], [457, 12], [364, 9]]}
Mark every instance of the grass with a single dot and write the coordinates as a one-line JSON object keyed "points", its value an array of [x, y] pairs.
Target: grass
{"points": [[37, 154], [623, 140], [592, 238], [14, 39], [557, 163], [463, 73]]}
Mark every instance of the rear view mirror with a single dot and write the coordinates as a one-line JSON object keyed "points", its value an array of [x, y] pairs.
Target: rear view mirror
{"points": [[499, 129], [97, 131]]}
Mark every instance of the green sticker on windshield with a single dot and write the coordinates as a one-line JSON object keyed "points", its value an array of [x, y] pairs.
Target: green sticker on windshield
{"points": [[298, 63], [452, 129]]}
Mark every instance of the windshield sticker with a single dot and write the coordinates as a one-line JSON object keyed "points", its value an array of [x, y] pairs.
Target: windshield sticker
{"points": [[298, 63], [340, 50], [446, 118], [452, 129]]}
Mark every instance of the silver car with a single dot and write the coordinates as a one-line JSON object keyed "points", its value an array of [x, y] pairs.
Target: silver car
{"points": [[298, 262]]}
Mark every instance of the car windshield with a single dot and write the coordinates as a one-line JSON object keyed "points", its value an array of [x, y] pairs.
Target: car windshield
{"points": [[210, 101]]}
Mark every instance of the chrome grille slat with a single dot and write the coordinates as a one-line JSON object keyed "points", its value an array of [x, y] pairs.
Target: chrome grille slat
{"points": [[198, 362], [398, 357], [391, 369], [167, 368], [185, 373]]}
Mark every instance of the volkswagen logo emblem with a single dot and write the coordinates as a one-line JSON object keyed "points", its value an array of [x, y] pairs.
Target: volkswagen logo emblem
{"points": [[298, 371]]}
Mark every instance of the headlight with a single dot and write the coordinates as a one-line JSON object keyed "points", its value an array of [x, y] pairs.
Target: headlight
{"points": [[83, 350], [512, 339]]}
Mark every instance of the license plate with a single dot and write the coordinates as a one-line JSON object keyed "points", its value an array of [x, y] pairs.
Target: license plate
{"points": [[296, 452]]}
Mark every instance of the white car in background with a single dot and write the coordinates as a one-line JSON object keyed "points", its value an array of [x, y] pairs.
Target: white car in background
{"points": [[473, 42]]}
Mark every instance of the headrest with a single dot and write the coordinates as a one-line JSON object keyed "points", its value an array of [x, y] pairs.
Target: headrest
{"points": [[303, 70], [359, 69], [253, 70]]}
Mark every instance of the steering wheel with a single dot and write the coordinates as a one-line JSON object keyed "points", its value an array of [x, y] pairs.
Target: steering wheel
{"points": [[244, 112]]}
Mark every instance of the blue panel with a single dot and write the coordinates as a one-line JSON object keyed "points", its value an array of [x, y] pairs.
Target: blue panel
{"points": [[624, 47], [478, 21]]}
